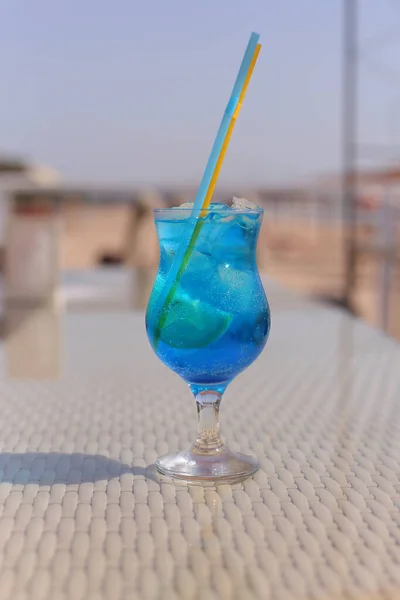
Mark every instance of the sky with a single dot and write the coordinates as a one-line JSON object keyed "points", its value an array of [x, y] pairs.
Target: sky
{"points": [[132, 92]]}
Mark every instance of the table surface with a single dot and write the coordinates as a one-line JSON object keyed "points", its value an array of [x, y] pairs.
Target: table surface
{"points": [[86, 407]]}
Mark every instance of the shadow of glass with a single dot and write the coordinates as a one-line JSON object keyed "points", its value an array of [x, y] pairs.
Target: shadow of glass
{"points": [[47, 468]]}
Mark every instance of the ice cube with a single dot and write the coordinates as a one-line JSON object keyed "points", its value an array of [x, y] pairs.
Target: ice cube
{"points": [[243, 204], [213, 206], [185, 205], [218, 206]]}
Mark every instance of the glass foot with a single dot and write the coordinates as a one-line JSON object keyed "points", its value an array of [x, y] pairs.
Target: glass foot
{"points": [[220, 465]]}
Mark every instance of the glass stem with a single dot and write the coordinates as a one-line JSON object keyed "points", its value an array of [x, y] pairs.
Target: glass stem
{"points": [[208, 440]]}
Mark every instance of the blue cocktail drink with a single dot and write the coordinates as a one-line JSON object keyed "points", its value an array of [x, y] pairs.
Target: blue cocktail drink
{"points": [[213, 327]]}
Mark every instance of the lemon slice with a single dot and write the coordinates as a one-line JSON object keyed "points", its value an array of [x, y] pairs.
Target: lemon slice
{"points": [[192, 324]]}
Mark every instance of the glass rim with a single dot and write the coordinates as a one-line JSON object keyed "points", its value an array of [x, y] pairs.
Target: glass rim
{"points": [[185, 211]]}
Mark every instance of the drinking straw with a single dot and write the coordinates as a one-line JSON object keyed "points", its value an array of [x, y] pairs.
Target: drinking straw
{"points": [[223, 128], [227, 139], [215, 175], [209, 178]]}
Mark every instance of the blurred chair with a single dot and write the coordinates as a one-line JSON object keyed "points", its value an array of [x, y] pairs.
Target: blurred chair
{"points": [[32, 259]]}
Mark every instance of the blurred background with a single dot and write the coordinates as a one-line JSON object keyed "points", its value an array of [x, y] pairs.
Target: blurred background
{"points": [[110, 109]]}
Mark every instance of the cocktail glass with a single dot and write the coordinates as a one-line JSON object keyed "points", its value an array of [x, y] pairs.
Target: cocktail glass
{"points": [[215, 325]]}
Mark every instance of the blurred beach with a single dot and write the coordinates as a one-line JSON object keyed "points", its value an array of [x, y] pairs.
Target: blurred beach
{"points": [[304, 254]]}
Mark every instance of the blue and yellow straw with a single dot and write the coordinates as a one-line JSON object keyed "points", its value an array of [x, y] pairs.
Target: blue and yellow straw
{"points": [[209, 180]]}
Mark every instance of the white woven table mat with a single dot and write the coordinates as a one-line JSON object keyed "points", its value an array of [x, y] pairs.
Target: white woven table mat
{"points": [[84, 516]]}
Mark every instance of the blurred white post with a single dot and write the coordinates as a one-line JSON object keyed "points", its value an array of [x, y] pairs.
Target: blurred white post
{"points": [[142, 245], [386, 245]]}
